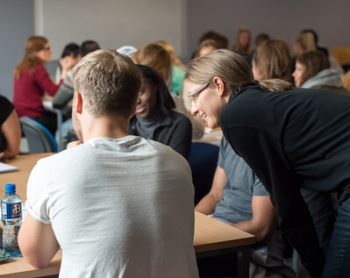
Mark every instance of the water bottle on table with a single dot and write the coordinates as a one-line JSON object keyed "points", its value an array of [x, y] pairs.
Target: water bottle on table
{"points": [[11, 216]]}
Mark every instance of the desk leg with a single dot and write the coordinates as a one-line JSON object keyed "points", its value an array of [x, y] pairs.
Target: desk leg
{"points": [[243, 263]]}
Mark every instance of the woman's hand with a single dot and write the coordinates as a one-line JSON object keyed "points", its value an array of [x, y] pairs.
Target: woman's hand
{"points": [[66, 63]]}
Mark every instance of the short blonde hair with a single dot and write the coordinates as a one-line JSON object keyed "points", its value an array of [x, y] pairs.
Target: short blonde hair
{"points": [[109, 83]]}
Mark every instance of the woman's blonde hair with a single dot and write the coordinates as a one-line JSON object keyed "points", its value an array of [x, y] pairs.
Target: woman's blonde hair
{"points": [[156, 57], [33, 45], [273, 59], [230, 67], [174, 59]]}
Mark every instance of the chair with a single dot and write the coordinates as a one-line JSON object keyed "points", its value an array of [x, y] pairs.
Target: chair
{"points": [[203, 161], [341, 54], [39, 138], [48, 105]]}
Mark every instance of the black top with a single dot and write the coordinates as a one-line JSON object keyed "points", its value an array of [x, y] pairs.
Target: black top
{"points": [[292, 139], [6, 108], [174, 130]]}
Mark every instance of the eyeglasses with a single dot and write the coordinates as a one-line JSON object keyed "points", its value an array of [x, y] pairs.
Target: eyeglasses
{"points": [[195, 93]]}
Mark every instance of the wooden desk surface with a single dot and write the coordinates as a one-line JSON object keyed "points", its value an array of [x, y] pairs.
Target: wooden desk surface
{"points": [[25, 164], [209, 235]]}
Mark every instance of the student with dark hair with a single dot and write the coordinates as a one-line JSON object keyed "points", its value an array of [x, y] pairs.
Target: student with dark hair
{"points": [[88, 46], [220, 39], [312, 37], [155, 117], [315, 37], [260, 38], [312, 71], [65, 93]]}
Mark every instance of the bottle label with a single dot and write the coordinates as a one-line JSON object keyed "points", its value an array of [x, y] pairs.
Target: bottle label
{"points": [[11, 211]]}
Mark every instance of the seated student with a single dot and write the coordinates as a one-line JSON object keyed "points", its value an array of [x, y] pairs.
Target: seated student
{"points": [[114, 203], [66, 90], [32, 81], [156, 57], [312, 71], [221, 41], [242, 41], [10, 131], [307, 40], [155, 117], [272, 59], [206, 47], [89, 46], [177, 68], [238, 197], [67, 131]]}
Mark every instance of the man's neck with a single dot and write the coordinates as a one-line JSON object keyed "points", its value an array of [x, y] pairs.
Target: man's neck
{"points": [[104, 127]]}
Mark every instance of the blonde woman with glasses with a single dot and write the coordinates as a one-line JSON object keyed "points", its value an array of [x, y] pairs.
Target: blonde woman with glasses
{"points": [[290, 139]]}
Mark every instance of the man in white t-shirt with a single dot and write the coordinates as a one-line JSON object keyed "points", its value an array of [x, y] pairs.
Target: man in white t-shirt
{"points": [[117, 205]]}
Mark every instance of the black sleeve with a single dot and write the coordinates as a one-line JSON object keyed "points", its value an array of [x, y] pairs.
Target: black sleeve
{"points": [[264, 154], [181, 139], [6, 108]]}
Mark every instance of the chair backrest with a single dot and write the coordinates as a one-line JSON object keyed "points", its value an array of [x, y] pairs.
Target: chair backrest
{"points": [[39, 138], [203, 161]]}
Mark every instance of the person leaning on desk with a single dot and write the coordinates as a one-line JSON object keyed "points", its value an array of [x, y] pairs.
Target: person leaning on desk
{"points": [[10, 131], [291, 139]]}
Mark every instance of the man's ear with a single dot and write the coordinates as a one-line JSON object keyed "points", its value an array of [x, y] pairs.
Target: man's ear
{"points": [[78, 103], [219, 85]]}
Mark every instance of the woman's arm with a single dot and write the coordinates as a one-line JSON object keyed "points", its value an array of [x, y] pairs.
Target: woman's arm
{"points": [[12, 132], [208, 204]]}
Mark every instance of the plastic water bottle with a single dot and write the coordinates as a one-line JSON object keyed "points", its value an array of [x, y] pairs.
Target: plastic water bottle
{"points": [[11, 216]]}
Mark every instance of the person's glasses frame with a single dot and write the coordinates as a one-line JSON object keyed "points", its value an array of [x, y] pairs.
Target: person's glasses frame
{"points": [[195, 93]]}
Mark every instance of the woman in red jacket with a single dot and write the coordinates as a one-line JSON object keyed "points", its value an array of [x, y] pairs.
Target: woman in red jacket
{"points": [[32, 81]]}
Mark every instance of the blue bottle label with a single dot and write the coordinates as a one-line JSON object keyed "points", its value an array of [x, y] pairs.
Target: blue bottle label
{"points": [[11, 211]]}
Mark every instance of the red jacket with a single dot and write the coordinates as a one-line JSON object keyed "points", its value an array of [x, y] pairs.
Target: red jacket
{"points": [[29, 89]]}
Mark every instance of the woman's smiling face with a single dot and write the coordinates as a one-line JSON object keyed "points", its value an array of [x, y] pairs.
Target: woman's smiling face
{"points": [[146, 104]]}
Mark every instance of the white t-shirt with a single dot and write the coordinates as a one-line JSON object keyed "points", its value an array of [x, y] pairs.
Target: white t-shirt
{"points": [[118, 207]]}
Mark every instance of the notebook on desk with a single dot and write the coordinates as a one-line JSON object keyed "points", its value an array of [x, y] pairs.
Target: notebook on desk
{"points": [[4, 168]]}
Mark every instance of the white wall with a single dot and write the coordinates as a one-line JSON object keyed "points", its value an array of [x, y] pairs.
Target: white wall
{"points": [[16, 23], [112, 23]]}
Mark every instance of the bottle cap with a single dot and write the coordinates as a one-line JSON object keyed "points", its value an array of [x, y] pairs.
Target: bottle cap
{"points": [[10, 188]]}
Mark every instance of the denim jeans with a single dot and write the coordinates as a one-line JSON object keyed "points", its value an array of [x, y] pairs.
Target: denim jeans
{"points": [[338, 255]]}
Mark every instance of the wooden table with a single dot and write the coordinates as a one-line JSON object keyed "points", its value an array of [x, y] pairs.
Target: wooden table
{"points": [[25, 164], [210, 236]]}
